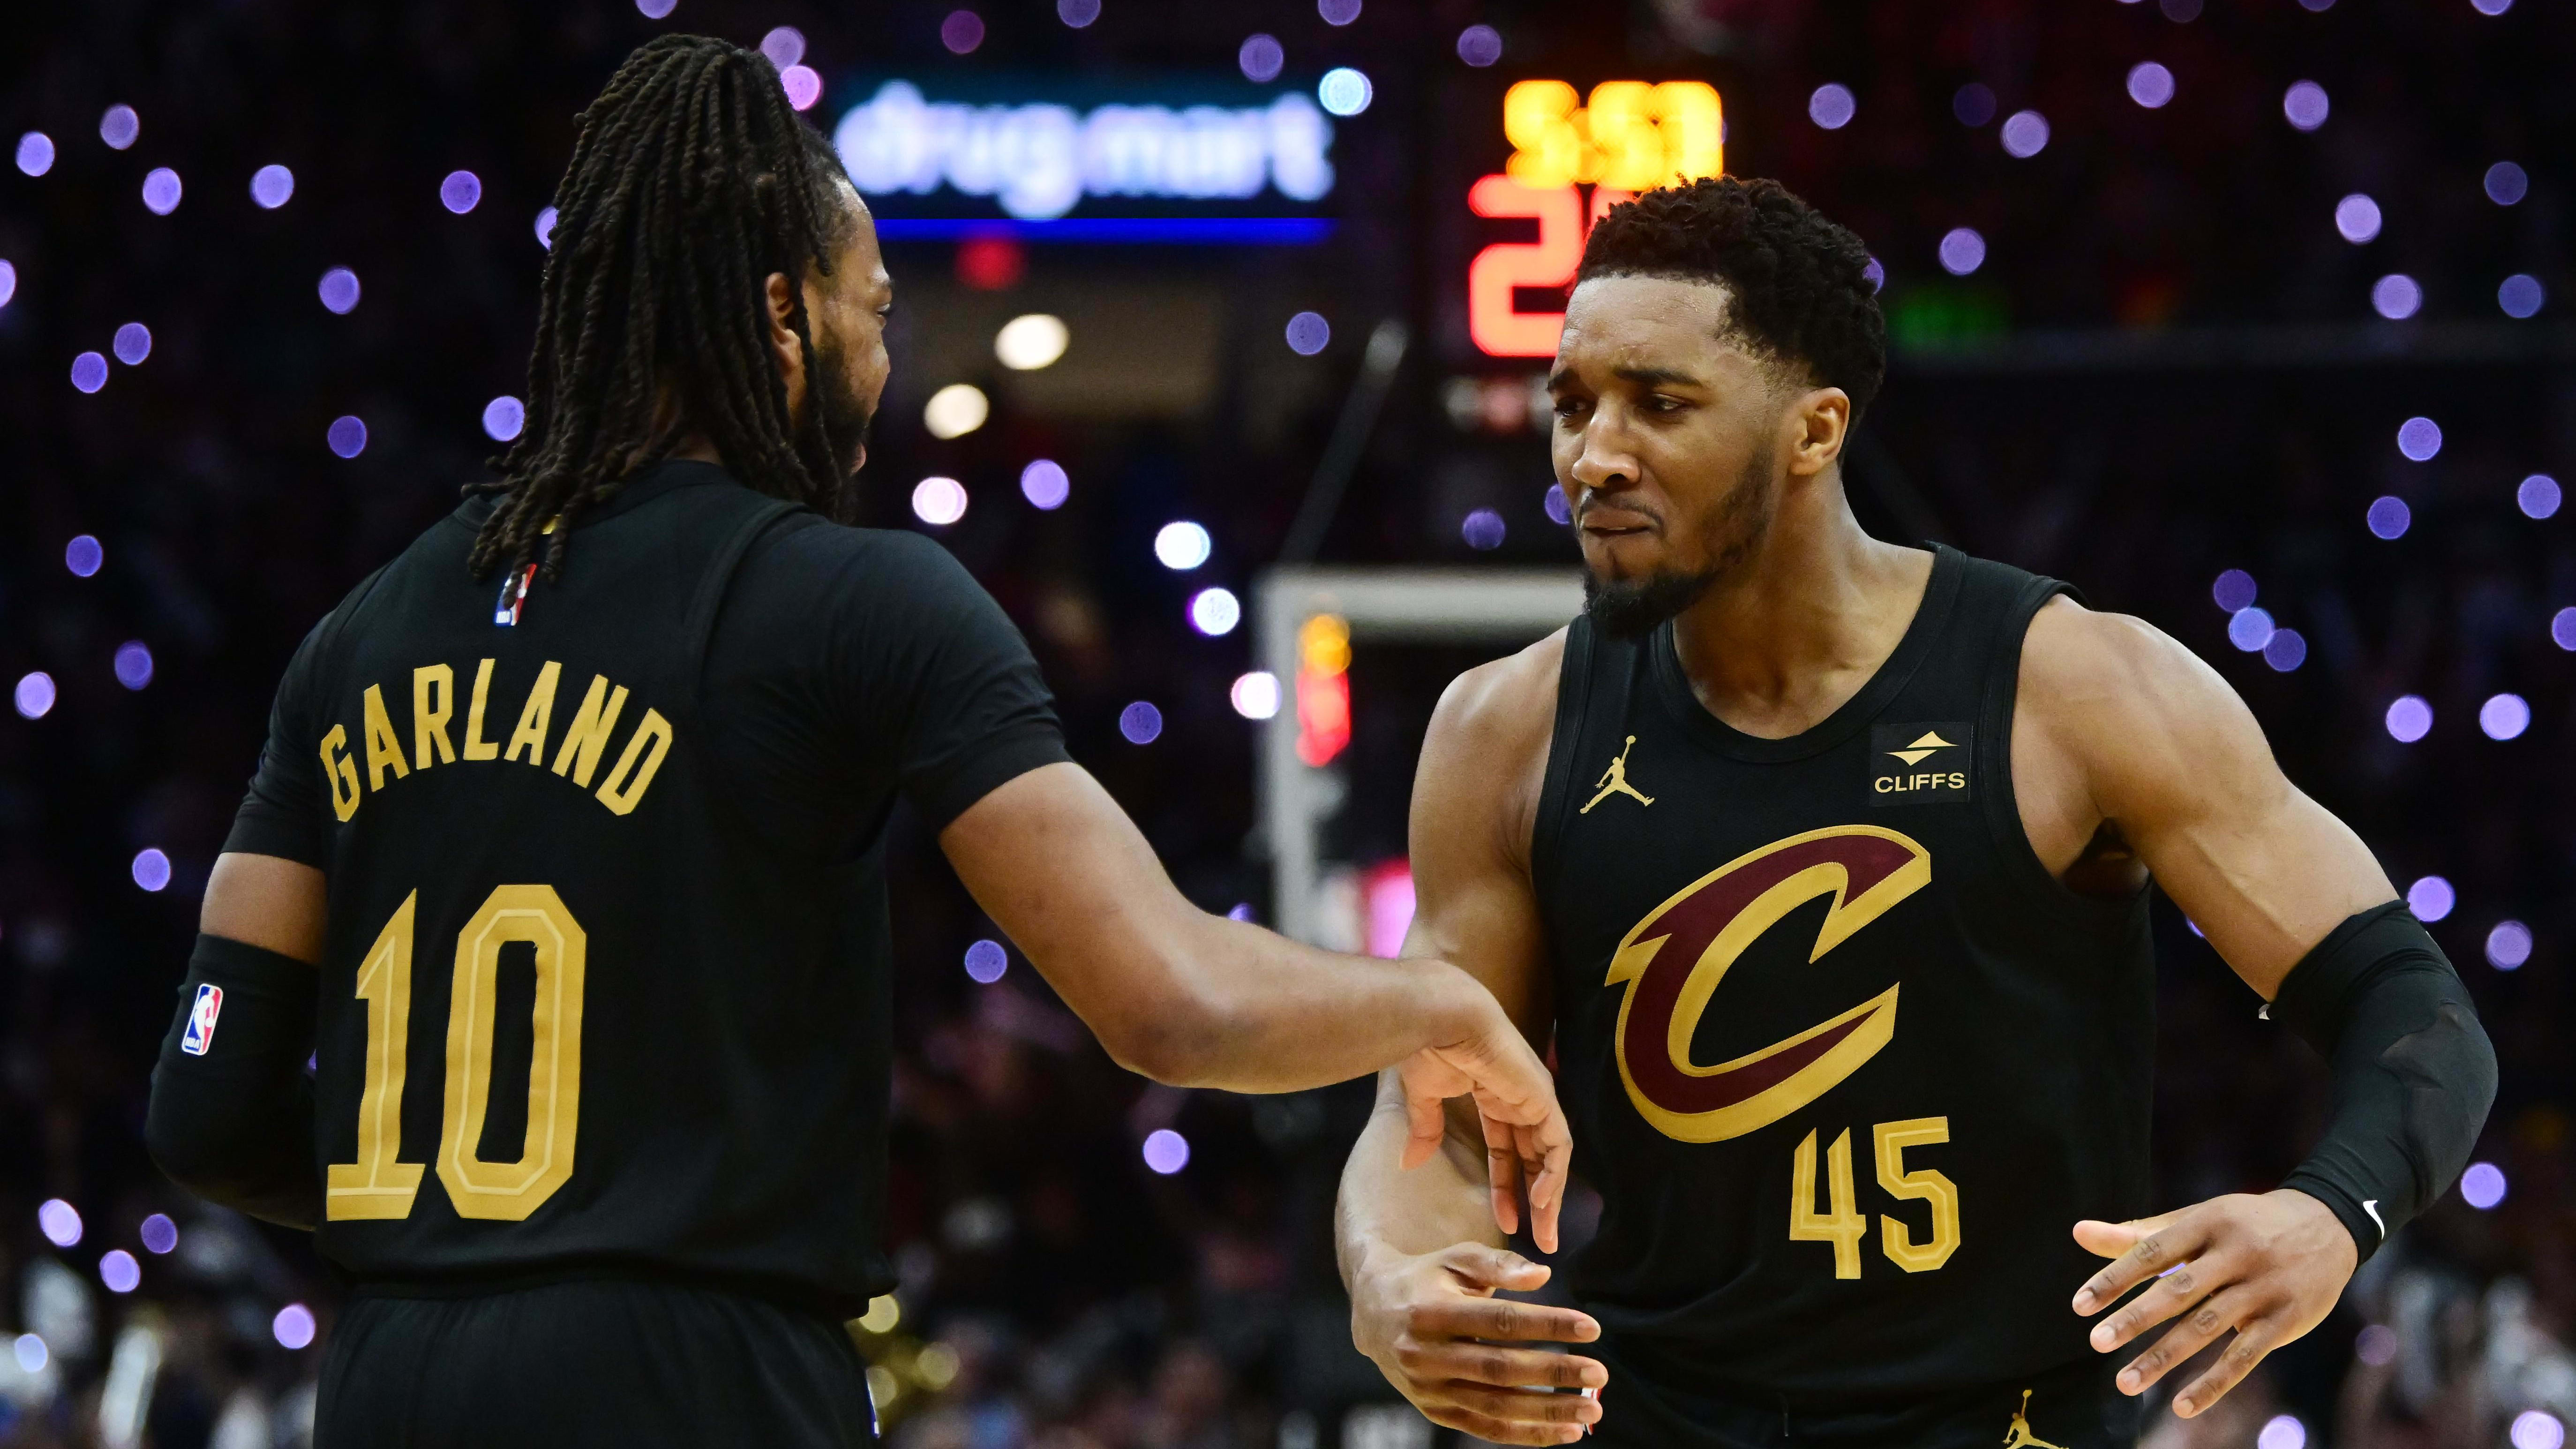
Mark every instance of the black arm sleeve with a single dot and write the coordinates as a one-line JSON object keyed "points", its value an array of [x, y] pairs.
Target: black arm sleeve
{"points": [[2414, 1074], [232, 1110]]}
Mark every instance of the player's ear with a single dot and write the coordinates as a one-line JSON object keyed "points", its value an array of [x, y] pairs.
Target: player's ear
{"points": [[779, 293], [1817, 422]]}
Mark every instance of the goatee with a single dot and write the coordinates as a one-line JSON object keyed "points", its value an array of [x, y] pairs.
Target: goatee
{"points": [[1633, 608]]}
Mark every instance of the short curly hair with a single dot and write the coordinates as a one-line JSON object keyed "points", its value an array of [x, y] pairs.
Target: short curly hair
{"points": [[1800, 285]]}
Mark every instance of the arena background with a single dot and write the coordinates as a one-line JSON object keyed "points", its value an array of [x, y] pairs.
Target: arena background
{"points": [[2145, 338]]}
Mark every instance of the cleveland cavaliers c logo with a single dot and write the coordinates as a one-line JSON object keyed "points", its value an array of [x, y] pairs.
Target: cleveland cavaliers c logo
{"points": [[1674, 958]]}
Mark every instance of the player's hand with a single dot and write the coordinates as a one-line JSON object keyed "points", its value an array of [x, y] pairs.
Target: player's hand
{"points": [[1434, 1327], [2269, 1267], [1527, 1143]]}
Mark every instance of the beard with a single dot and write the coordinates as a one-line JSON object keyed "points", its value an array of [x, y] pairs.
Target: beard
{"points": [[846, 417], [1631, 608]]}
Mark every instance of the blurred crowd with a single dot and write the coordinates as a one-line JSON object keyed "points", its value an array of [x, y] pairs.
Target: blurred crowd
{"points": [[1057, 1290]]}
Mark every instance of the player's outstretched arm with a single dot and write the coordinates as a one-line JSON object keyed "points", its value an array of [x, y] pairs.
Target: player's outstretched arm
{"points": [[1195, 999], [1418, 1244], [2155, 746], [231, 1117]]}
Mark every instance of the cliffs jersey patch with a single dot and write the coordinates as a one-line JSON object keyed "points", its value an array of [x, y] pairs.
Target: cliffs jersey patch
{"points": [[1921, 764]]}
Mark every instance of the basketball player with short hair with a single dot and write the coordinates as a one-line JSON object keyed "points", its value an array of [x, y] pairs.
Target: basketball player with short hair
{"points": [[1823, 861], [579, 808]]}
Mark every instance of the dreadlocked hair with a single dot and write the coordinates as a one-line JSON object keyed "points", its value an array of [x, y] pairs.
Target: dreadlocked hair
{"points": [[692, 180]]}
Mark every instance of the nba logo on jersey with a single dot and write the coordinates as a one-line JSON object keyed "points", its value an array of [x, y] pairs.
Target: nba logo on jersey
{"points": [[201, 1020]]}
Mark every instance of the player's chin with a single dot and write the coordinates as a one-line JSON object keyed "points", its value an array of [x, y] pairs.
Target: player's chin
{"points": [[1621, 555]]}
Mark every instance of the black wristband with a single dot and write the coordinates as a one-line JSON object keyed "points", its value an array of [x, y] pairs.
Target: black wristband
{"points": [[231, 1117]]}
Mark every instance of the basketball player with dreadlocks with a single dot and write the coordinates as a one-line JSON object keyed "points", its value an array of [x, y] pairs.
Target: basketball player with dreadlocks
{"points": [[565, 858], [1824, 861]]}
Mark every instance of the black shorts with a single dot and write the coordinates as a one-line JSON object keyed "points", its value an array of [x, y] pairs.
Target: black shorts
{"points": [[589, 1363], [2071, 1407]]}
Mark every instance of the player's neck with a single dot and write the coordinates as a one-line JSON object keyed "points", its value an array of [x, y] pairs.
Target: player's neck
{"points": [[1801, 625]]}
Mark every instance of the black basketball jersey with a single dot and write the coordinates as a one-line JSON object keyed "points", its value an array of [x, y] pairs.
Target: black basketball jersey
{"points": [[1844, 1060], [605, 985]]}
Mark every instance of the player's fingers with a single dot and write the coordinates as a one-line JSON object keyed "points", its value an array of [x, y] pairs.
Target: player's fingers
{"points": [[1450, 1361], [2110, 1240], [1426, 1121], [2198, 1329], [1490, 1268], [1502, 1319], [2247, 1349], [1503, 1170], [1498, 1431], [1547, 1164], [2173, 1240], [2181, 1286], [1520, 1406]]}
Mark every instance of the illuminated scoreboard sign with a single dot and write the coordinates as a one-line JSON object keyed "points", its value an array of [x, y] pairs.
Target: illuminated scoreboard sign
{"points": [[1574, 159], [1038, 160]]}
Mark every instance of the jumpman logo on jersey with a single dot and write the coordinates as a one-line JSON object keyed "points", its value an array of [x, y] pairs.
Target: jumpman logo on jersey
{"points": [[2018, 1435], [1614, 781]]}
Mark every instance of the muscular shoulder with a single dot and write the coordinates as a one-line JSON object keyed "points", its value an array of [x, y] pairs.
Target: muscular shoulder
{"points": [[1484, 759], [2145, 721]]}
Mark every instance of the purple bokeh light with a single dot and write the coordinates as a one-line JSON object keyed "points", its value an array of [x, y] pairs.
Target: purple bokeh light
{"points": [[1559, 512], [83, 555], [161, 191], [151, 869], [8, 282], [118, 126], [34, 695], [133, 343], [2396, 296], [35, 153], [1962, 251], [1338, 12], [134, 664], [1045, 484], [159, 1234], [1141, 723], [784, 45], [986, 961], [89, 371], [2305, 105], [2536, 1429], [347, 436], [2286, 650], [2234, 589], [293, 1325], [2520, 295], [2504, 716], [2250, 629], [1078, 14], [1166, 1151], [1308, 333], [60, 1223], [1482, 529], [2562, 629], [2431, 898], [2357, 218], [962, 31], [118, 1270], [460, 191], [1480, 45], [2151, 85], [655, 9], [2507, 183], [1973, 104], [2389, 516], [1260, 58], [2537, 496], [546, 217], [2482, 1186], [2508, 945], [804, 86], [2409, 719], [2025, 134], [503, 417], [1832, 105], [1875, 274], [271, 186], [339, 291], [2419, 439]]}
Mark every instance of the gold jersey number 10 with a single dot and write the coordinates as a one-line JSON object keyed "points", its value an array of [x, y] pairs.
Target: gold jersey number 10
{"points": [[378, 1185], [1845, 1226]]}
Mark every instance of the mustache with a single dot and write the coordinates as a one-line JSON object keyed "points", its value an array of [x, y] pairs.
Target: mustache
{"points": [[1591, 501]]}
